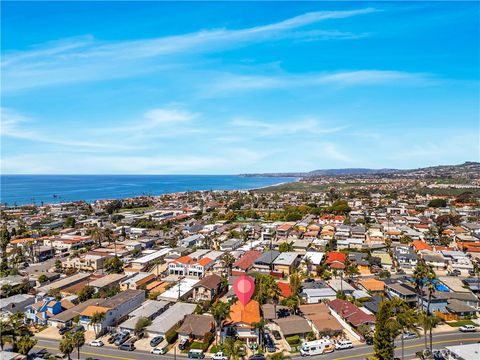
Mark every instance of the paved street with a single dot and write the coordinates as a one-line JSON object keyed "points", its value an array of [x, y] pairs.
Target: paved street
{"points": [[358, 353]]}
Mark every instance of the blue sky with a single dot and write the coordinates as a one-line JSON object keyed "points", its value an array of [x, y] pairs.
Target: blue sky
{"points": [[231, 87]]}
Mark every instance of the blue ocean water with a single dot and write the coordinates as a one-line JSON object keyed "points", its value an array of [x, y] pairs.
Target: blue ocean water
{"points": [[25, 189]]}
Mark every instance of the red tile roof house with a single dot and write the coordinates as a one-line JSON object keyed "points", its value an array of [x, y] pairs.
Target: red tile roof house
{"points": [[350, 314], [242, 265], [336, 260]]}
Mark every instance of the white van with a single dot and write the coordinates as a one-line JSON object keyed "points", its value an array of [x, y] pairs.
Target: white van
{"points": [[316, 347], [343, 344]]}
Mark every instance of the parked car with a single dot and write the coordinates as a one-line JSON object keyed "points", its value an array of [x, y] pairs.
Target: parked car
{"points": [[455, 272], [64, 330], [219, 356], [196, 354], [467, 328], [182, 345], [369, 340], [77, 329], [97, 343], [113, 337], [257, 357], [127, 347], [159, 351], [409, 335], [343, 344], [121, 339], [276, 335], [156, 340], [471, 272]]}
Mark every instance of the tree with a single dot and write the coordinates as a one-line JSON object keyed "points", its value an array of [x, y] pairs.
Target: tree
{"points": [[96, 319], [260, 326], [293, 303], [78, 341], [69, 222], [278, 356], [18, 329], [25, 344], [419, 274], [285, 247], [228, 260], [265, 288], [4, 241], [58, 265], [406, 319], [220, 310], [436, 203], [113, 265], [296, 279], [140, 326], [86, 293], [384, 336], [308, 264], [42, 278], [66, 345], [233, 348]]}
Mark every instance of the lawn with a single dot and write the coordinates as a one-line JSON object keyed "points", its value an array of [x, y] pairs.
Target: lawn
{"points": [[460, 323]]}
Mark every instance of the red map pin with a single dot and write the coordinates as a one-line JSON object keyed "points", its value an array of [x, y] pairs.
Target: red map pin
{"points": [[244, 287]]}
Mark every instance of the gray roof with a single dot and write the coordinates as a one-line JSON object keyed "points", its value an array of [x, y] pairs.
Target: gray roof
{"points": [[65, 282], [107, 280], [267, 257], [292, 325], [172, 316], [286, 258], [15, 299], [121, 297], [150, 308]]}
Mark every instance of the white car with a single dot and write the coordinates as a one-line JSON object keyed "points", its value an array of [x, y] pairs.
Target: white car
{"points": [[468, 328], [97, 343], [409, 335], [159, 351], [343, 344], [219, 356]]}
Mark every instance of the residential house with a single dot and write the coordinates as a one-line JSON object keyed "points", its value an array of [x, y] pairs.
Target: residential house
{"points": [[16, 303], [265, 262], [286, 262], [231, 244], [150, 309], [170, 318], [43, 309], [208, 288], [350, 313], [195, 326], [246, 262], [241, 320]]}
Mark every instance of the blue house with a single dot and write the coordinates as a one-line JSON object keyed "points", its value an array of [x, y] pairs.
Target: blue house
{"points": [[42, 310]]}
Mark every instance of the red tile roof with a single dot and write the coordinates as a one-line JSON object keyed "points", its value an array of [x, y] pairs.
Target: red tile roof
{"points": [[247, 259], [285, 289]]}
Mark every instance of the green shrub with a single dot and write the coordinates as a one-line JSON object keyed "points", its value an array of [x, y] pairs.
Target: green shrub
{"points": [[171, 336], [293, 340], [196, 345], [207, 340]]}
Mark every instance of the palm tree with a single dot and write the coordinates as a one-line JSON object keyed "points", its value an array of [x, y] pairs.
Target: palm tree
{"points": [[220, 310], [419, 274], [78, 341], [260, 326], [293, 303], [66, 345], [25, 344], [96, 319], [406, 319], [308, 264], [233, 348], [429, 322], [296, 279], [5, 333], [18, 329], [228, 261]]}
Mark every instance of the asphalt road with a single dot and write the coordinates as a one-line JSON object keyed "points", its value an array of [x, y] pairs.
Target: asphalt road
{"points": [[358, 353]]}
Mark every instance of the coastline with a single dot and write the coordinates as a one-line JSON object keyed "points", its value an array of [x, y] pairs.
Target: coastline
{"points": [[26, 190]]}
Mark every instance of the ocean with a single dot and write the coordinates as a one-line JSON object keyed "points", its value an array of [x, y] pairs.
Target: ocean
{"points": [[26, 189]]}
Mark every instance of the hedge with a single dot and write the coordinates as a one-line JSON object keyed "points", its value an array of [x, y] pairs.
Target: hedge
{"points": [[293, 340], [171, 336]]}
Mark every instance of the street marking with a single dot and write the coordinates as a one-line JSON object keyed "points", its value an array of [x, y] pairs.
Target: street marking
{"points": [[88, 353], [408, 347]]}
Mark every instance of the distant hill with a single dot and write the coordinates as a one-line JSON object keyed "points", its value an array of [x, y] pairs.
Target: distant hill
{"points": [[468, 169]]}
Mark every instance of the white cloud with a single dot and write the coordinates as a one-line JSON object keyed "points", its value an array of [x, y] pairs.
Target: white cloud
{"points": [[275, 128], [87, 59], [333, 152], [226, 84]]}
